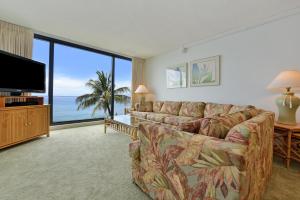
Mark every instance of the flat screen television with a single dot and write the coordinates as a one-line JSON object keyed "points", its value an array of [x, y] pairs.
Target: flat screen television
{"points": [[19, 74]]}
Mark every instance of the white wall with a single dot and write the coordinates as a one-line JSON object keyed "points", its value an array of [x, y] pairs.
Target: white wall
{"points": [[249, 62]]}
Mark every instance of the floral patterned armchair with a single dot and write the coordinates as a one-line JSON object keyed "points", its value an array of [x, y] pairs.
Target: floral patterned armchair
{"points": [[171, 164]]}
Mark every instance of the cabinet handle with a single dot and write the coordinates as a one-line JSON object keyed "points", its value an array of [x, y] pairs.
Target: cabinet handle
{"points": [[29, 123], [26, 124]]}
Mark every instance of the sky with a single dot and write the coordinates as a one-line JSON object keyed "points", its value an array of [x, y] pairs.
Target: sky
{"points": [[74, 67]]}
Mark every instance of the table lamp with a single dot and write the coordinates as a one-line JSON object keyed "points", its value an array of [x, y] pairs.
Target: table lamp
{"points": [[142, 90], [287, 103]]}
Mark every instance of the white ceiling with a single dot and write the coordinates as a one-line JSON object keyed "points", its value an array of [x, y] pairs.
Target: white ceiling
{"points": [[142, 28]]}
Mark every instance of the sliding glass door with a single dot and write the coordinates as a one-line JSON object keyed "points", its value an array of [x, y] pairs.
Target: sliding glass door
{"points": [[81, 80]]}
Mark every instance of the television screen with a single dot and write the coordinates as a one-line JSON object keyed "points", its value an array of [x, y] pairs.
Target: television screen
{"points": [[18, 74]]}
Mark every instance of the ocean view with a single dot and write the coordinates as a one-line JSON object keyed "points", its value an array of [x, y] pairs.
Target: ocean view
{"points": [[65, 109]]}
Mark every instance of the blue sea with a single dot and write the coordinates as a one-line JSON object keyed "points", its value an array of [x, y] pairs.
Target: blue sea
{"points": [[65, 109]]}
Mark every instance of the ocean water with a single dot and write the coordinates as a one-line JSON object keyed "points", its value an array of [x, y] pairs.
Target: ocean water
{"points": [[65, 109]]}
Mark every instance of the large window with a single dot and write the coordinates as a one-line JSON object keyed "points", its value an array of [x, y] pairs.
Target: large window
{"points": [[73, 68], [80, 81]]}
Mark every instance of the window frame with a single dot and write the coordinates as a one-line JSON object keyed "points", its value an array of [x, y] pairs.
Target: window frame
{"points": [[52, 42]]}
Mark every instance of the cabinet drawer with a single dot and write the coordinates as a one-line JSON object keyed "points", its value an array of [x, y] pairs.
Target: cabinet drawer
{"points": [[38, 122]]}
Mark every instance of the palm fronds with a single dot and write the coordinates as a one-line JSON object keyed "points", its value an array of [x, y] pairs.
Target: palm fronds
{"points": [[101, 95]]}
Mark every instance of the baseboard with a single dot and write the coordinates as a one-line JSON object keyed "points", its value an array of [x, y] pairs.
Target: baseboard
{"points": [[76, 125]]}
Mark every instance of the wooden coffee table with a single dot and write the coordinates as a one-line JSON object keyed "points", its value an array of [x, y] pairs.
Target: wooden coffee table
{"points": [[125, 124]]}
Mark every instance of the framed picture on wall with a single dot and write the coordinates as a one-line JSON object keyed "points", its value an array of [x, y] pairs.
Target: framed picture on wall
{"points": [[177, 76], [205, 72]]}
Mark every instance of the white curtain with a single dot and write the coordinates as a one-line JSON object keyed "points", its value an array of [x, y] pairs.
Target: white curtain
{"points": [[138, 77], [15, 39]]}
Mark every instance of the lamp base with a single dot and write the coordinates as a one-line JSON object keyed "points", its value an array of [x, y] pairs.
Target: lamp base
{"points": [[287, 106], [142, 102]]}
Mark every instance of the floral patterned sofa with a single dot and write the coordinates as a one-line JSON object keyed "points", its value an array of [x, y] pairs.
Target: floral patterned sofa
{"points": [[226, 154]]}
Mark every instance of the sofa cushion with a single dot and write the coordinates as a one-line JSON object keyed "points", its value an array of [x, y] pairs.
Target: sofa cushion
{"points": [[171, 107], [138, 114], [219, 126], [157, 106], [192, 109], [212, 109], [157, 117], [176, 120], [237, 108]]}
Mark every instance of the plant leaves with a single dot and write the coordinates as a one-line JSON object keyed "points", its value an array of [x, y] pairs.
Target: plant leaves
{"points": [[224, 190], [160, 182], [210, 159], [202, 164]]}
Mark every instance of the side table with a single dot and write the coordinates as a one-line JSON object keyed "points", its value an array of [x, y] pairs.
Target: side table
{"points": [[287, 142], [123, 123]]}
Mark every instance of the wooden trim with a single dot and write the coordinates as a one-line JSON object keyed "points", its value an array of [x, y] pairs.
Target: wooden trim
{"points": [[11, 99], [294, 128], [288, 159], [23, 107], [25, 140]]}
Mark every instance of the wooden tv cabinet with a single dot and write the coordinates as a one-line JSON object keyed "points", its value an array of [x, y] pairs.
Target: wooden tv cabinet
{"points": [[22, 123]]}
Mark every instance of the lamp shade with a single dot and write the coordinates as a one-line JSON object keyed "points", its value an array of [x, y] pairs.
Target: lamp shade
{"points": [[141, 90], [286, 79]]}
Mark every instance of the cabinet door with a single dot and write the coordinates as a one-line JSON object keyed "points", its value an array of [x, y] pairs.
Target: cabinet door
{"points": [[18, 124], [38, 122], [5, 128]]}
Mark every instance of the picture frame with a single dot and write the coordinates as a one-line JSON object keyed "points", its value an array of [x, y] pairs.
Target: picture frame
{"points": [[177, 75], [205, 72]]}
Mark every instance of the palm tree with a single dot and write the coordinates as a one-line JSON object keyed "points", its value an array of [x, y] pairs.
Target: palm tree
{"points": [[101, 95]]}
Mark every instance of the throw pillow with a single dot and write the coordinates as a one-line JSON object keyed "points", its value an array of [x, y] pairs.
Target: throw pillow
{"points": [[212, 109], [171, 107], [219, 126], [192, 109], [157, 106], [236, 108]]}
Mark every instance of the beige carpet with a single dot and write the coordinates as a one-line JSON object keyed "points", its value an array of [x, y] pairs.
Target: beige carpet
{"points": [[85, 164], [285, 183]]}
